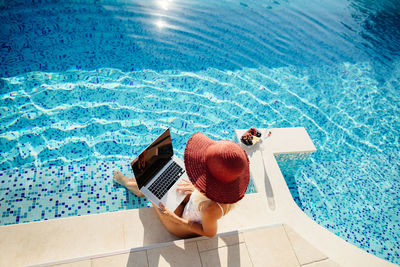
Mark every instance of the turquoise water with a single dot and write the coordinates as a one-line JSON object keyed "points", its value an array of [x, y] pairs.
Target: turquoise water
{"points": [[97, 81]]}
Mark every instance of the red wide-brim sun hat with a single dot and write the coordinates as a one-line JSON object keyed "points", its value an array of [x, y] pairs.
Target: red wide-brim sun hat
{"points": [[218, 169]]}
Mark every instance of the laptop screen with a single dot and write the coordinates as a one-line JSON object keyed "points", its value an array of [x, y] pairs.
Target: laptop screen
{"points": [[152, 159]]}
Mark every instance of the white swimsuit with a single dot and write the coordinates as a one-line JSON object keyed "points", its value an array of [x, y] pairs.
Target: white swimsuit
{"points": [[192, 211]]}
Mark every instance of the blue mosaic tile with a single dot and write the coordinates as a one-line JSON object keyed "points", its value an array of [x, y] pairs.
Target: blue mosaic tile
{"points": [[113, 79], [45, 193], [334, 202]]}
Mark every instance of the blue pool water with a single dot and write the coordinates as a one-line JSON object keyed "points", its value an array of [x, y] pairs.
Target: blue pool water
{"points": [[86, 85]]}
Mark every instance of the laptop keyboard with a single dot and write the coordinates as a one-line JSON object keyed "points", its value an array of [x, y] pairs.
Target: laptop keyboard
{"points": [[166, 180]]}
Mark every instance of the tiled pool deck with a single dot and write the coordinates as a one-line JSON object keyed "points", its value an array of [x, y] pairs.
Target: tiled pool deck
{"points": [[277, 245], [104, 239]]}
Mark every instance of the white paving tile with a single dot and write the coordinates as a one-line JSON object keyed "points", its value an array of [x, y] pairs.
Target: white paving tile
{"points": [[270, 247], [133, 259], [60, 239], [181, 254], [305, 252], [324, 263], [220, 241], [85, 263], [234, 255]]}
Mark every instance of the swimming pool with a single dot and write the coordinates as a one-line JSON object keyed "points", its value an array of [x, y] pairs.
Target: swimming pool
{"points": [[87, 84]]}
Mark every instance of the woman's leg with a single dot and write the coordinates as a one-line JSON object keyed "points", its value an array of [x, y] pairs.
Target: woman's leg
{"points": [[130, 184], [176, 229]]}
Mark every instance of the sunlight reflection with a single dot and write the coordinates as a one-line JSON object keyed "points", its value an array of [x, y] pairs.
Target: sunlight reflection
{"points": [[160, 24], [164, 4]]}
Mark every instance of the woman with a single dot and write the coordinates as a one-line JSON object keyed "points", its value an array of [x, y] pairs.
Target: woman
{"points": [[219, 175]]}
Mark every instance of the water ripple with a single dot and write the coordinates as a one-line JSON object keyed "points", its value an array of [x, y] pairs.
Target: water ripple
{"points": [[81, 107], [100, 80]]}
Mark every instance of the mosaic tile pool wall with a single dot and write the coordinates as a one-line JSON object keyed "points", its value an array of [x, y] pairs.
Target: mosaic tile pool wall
{"points": [[28, 195], [289, 164], [88, 81], [368, 227]]}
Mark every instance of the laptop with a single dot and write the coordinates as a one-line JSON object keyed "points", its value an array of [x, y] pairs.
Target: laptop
{"points": [[158, 172]]}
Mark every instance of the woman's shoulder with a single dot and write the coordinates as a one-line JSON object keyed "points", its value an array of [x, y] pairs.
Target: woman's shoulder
{"points": [[210, 208]]}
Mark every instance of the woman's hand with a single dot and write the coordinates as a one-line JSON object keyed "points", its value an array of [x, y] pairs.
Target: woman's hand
{"points": [[186, 187], [168, 214]]}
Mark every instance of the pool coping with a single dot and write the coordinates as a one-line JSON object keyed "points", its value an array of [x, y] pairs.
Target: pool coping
{"points": [[68, 239]]}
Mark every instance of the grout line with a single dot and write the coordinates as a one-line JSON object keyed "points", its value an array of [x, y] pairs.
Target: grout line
{"points": [[224, 246], [313, 261], [198, 252], [147, 257], [248, 252], [291, 244], [309, 263]]}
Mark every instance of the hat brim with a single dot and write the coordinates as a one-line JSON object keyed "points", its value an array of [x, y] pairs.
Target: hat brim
{"points": [[201, 178]]}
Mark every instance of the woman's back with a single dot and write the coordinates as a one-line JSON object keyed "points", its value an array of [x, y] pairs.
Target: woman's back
{"points": [[193, 207]]}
